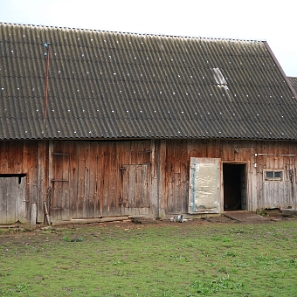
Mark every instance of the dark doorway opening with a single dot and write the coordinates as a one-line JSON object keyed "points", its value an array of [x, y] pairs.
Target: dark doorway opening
{"points": [[234, 178]]}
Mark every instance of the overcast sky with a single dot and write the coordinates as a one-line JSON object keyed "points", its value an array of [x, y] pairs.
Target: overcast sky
{"points": [[273, 21]]}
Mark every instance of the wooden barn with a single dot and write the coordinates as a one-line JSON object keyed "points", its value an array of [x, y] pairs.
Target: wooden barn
{"points": [[97, 124]]}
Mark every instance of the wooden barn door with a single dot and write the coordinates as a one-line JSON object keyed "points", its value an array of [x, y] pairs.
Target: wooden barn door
{"points": [[60, 187], [204, 185], [12, 199], [135, 190]]}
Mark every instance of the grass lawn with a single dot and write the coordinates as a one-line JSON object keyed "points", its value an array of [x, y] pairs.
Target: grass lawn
{"points": [[166, 259]]}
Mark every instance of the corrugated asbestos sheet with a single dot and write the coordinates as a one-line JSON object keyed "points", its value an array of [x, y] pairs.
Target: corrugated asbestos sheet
{"points": [[293, 81], [120, 85]]}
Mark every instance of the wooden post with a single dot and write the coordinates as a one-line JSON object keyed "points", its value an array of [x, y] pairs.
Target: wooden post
{"points": [[33, 215], [48, 220]]}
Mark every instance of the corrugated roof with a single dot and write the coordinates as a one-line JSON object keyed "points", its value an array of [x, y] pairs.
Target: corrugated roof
{"points": [[293, 81], [122, 85]]}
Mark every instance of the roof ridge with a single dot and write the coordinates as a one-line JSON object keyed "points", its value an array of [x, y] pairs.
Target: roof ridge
{"points": [[135, 33]]}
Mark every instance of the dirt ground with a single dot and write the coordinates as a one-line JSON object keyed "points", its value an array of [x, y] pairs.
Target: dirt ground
{"points": [[228, 218]]}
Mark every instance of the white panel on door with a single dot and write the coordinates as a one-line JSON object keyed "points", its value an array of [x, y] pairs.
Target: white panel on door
{"points": [[204, 185]]}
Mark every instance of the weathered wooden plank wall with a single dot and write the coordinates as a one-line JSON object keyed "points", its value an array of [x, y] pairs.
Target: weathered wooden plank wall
{"points": [[271, 155], [106, 178], [28, 160], [111, 178]]}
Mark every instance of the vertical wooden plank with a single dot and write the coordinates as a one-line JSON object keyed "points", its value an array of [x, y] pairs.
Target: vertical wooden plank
{"points": [[42, 179], [73, 178], [4, 157], [93, 211], [177, 193], [120, 176], [191, 148], [125, 199], [281, 194], [127, 155], [212, 149], [267, 150], [248, 151], [261, 163], [170, 176], [158, 179], [124, 153], [154, 170], [14, 155], [279, 165], [114, 199], [65, 184], [11, 154], [100, 179], [86, 200], [57, 184], [177, 156], [3, 200], [21, 205], [19, 158], [12, 197], [135, 195], [138, 178], [140, 152], [33, 174], [177, 176], [292, 172], [252, 190], [106, 179], [184, 176], [134, 152], [81, 179], [265, 190], [285, 164], [130, 172], [225, 150], [201, 148], [143, 186], [50, 177], [147, 152]]}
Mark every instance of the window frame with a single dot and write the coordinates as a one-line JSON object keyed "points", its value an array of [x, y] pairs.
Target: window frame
{"points": [[274, 178]]}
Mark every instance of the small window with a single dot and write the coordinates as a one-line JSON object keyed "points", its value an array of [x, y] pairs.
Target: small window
{"points": [[274, 175]]}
